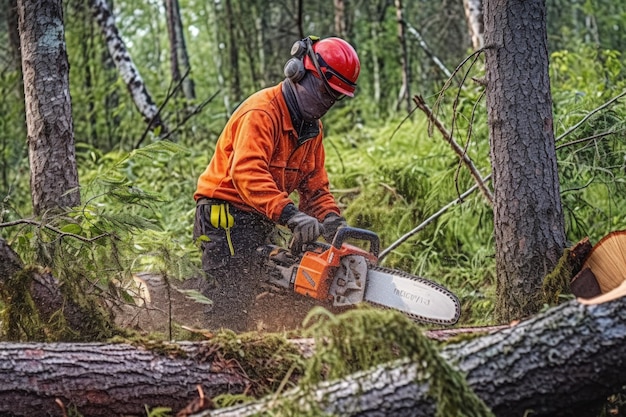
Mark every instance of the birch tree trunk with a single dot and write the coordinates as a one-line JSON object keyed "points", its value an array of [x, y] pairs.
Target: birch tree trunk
{"points": [[50, 131], [127, 69], [475, 22], [528, 217], [405, 93]]}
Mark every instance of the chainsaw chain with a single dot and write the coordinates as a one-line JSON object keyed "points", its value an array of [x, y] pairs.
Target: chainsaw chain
{"points": [[427, 282]]}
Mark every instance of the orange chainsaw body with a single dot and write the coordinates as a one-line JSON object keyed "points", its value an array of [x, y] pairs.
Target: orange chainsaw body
{"points": [[317, 268]]}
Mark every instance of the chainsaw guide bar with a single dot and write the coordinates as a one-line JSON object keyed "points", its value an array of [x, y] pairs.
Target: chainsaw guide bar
{"points": [[420, 299]]}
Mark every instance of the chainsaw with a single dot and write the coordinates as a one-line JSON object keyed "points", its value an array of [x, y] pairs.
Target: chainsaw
{"points": [[347, 274]]}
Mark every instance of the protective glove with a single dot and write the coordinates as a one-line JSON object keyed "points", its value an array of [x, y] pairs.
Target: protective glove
{"points": [[331, 224], [304, 229]]}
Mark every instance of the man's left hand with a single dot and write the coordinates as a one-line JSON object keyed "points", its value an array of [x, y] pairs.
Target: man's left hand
{"points": [[331, 224]]}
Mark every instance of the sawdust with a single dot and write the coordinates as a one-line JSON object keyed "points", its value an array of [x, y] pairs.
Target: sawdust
{"points": [[163, 307]]}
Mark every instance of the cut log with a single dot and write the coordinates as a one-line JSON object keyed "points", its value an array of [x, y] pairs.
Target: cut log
{"points": [[561, 363], [558, 363], [607, 261], [104, 379]]}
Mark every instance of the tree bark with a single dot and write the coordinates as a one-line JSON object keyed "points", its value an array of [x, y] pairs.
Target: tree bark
{"points": [[528, 216], [339, 7], [103, 379], [233, 52], [51, 153], [561, 363]]}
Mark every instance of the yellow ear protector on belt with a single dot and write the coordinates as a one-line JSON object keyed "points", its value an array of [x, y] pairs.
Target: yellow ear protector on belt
{"points": [[221, 218], [294, 68]]}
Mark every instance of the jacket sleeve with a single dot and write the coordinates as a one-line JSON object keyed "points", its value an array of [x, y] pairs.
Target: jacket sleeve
{"points": [[315, 197], [253, 146]]}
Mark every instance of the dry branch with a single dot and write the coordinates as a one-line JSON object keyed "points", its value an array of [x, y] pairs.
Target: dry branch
{"points": [[421, 104]]}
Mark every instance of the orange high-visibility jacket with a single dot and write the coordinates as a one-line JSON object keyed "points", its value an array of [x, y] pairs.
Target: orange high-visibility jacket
{"points": [[257, 163]]}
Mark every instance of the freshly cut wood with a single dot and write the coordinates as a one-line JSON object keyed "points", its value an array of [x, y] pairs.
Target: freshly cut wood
{"points": [[607, 260]]}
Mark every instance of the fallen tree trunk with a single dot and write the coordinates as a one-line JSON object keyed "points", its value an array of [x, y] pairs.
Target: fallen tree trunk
{"points": [[555, 364], [561, 363], [563, 360], [97, 379]]}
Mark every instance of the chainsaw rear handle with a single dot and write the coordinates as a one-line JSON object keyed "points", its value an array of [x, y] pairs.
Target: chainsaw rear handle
{"points": [[348, 232]]}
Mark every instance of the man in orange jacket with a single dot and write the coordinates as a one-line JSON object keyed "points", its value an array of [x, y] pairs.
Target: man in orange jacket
{"points": [[271, 147]]}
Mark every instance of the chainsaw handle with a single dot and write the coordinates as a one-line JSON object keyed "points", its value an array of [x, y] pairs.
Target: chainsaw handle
{"points": [[347, 232]]}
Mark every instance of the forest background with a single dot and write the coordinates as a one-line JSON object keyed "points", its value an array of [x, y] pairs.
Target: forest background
{"points": [[388, 168]]}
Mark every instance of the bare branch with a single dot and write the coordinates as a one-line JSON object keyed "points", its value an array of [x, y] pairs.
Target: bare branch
{"points": [[421, 104], [591, 113]]}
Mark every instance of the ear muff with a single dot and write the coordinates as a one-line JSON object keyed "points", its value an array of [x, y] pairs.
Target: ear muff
{"points": [[294, 68]]}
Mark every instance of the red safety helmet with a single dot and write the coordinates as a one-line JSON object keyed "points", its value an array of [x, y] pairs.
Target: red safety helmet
{"points": [[338, 62]]}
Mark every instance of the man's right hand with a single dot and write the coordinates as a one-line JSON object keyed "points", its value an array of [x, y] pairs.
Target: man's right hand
{"points": [[304, 228]]}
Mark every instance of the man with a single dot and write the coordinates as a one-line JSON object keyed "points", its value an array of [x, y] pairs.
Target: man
{"points": [[271, 147]]}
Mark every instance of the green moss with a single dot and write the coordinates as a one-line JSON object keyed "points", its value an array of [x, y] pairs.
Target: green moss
{"points": [[158, 347], [268, 361], [364, 337], [20, 316], [557, 282]]}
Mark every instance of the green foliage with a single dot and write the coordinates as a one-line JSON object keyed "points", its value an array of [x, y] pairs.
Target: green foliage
{"points": [[591, 157], [78, 317], [393, 178], [119, 229]]}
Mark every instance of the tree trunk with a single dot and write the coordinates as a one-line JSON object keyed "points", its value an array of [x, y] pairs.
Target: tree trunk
{"points": [[528, 217], [12, 20], [218, 53], [38, 308], [104, 379], [556, 364], [475, 22], [233, 52], [339, 7], [128, 71], [51, 153], [405, 88], [179, 60], [561, 363]]}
